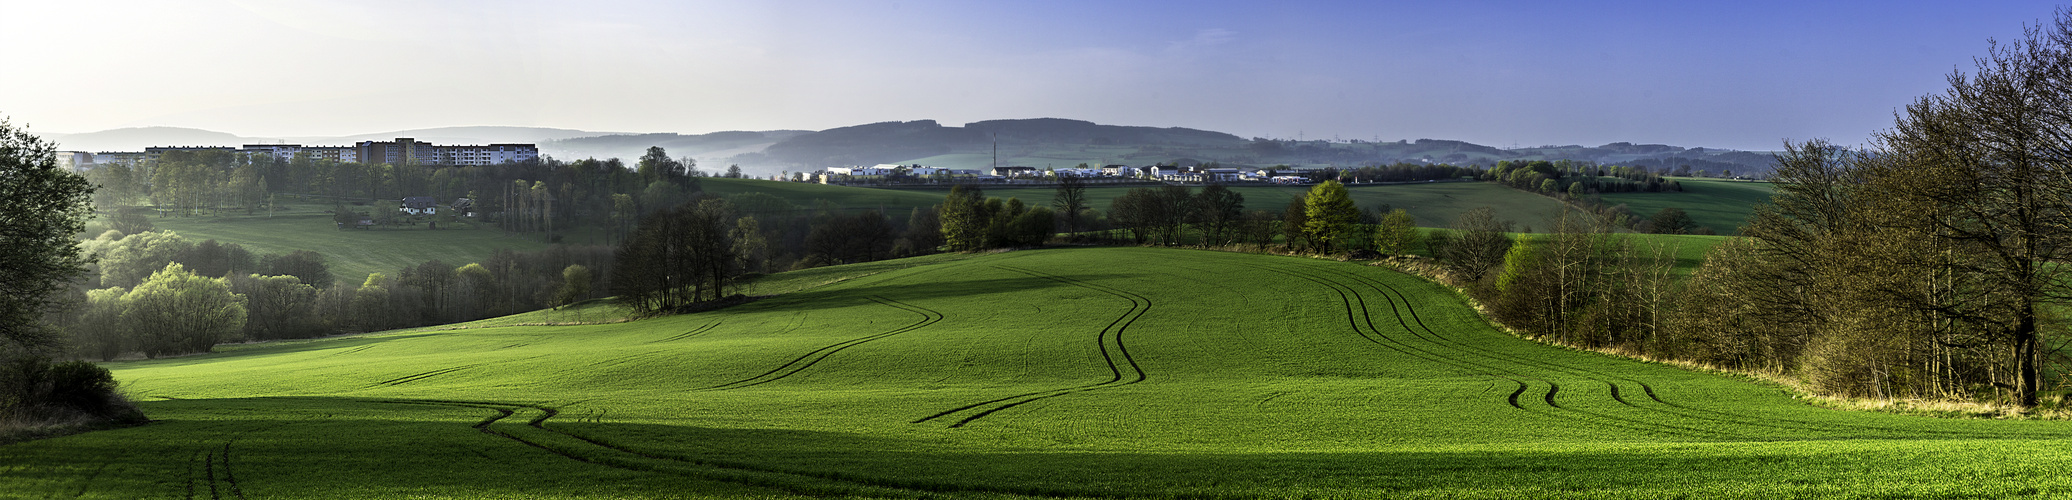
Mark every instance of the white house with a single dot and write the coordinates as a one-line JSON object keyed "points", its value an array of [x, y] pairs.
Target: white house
{"points": [[420, 205]]}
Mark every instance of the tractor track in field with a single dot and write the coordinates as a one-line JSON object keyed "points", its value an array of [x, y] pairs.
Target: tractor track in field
{"points": [[829, 484], [1357, 311], [693, 333], [214, 471], [420, 376], [807, 360], [1394, 295], [1139, 305], [1426, 333]]}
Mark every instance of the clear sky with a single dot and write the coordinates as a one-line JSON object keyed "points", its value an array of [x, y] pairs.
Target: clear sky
{"points": [[1733, 74]]}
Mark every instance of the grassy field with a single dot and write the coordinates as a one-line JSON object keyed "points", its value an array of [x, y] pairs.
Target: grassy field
{"points": [[353, 253], [1102, 372], [1715, 203]]}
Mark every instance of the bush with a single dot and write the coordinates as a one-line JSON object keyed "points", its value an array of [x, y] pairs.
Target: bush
{"points": [[34, 391]]}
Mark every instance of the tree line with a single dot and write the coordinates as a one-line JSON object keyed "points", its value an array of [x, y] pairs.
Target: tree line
{"points": [[1928, 264]]}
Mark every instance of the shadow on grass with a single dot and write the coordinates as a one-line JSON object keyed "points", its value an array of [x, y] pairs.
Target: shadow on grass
{"points": [[331, 447]]}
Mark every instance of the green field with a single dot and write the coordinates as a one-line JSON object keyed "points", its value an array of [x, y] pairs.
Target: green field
{"points": [[1722, 205], [1100, 372], [352, 253]]}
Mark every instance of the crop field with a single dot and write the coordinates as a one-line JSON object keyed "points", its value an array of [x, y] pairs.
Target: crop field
{"points": [[1722, 205], [1098, 372]]}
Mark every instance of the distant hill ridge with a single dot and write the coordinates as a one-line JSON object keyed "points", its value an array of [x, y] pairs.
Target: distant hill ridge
{"points": [[1038, 142]]}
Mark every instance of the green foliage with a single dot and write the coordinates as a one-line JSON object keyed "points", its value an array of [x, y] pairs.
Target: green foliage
{"points": [[41, 207], [964, 218], [1670, 220], [178, 312], [35, 390], [1397, 233], [276, 306], [1262, 343], [1520, 261], [575, 284], [676, 258], [1328, 212]]}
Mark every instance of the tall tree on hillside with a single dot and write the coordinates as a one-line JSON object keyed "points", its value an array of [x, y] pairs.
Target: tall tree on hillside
{"points": [[1993, 157], [1328, 211], [1397, 233], [1217, 212], [964, 218], [1670, 220], [1478, 243], [41, 207], [1294, 219], [1070, 202]]}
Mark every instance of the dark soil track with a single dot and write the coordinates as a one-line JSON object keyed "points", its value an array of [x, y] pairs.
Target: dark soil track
{"points": [[1109, 340]]}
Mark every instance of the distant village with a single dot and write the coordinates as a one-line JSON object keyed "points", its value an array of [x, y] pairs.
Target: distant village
{"points": [[918, 174], [403, 150]]}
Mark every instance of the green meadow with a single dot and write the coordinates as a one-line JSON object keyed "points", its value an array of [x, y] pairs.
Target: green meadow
{"points": [[1064, 373], [1720, 204], [353, 253]]}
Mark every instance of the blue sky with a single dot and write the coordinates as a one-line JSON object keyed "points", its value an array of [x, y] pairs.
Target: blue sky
{"points": [[1744, 75]]}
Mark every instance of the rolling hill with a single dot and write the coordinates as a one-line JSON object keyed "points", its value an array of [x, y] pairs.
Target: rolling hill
{"points": [[1109, 373], [1052, 142]]}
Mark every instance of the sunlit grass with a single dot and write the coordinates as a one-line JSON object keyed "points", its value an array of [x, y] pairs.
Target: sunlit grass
{"points": [[1059, 373]]}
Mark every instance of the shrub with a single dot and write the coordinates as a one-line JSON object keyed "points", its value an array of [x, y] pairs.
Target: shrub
{"points": [[36, 391]]}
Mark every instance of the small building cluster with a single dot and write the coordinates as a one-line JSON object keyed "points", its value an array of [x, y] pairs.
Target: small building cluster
{"points": [[923, 174], [403, 150]]}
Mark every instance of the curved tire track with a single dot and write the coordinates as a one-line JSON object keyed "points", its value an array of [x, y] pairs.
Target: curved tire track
{"points": [[1112, 333], [807, 360], [1394, 294], [1357, 311], [693, 333], [806, 483]]}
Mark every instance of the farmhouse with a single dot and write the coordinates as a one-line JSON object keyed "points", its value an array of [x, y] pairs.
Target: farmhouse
{"points": [[420, 205]]}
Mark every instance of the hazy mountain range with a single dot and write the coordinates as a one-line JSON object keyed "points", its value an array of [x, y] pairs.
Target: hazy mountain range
{"points": [[1034, 142]]}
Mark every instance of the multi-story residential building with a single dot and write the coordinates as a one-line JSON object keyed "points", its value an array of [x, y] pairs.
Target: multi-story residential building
{"points": [[342, 154], [151, 154], [75, 161], [112, 157], [401, 150], [407, 150]]}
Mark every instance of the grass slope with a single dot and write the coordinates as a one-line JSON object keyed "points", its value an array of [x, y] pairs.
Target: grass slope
{"points": [[1722, 205], [1056, 373], [351, 253]]}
